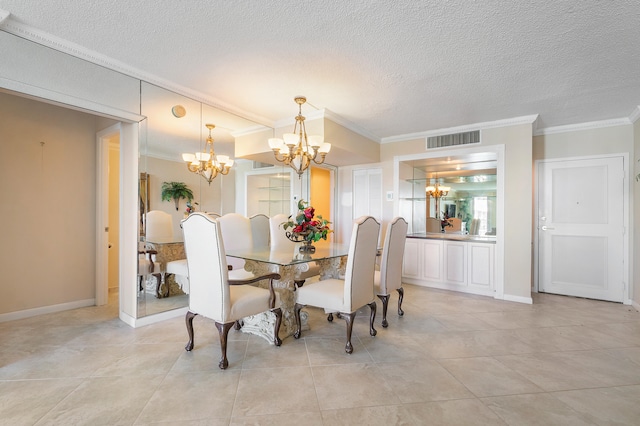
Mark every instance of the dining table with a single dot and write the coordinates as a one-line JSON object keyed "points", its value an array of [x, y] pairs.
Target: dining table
{"points": [[168, 249], [329, 256]]}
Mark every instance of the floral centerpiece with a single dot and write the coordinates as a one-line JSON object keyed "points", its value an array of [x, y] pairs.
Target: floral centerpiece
{"points": [[306, 228]]}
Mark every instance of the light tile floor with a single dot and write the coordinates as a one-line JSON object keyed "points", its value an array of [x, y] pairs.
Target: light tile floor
{"points": [[453, 359]]}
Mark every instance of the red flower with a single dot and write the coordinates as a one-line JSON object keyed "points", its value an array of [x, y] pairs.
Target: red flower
{"points": [[308, 212]]}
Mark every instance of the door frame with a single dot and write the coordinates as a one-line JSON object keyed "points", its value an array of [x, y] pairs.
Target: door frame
{"points": [[102, 211], [626, 195]]}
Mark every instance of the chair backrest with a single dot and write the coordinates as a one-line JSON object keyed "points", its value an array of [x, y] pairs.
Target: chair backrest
{"points": [[358, 289], [456, 225], [236, 234], [159, 225], [260, 230], [279, 240], [433, 224], [392, 254], [207, 266]]}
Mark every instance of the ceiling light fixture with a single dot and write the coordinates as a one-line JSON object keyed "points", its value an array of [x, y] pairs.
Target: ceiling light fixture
{"points": [[295, 149], [437, 191], [206, 163]]}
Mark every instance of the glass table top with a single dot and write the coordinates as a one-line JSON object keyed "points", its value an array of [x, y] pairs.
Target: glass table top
{"points": [[290, 257]]}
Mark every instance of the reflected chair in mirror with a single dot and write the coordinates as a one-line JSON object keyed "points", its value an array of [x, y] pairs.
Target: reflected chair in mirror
{"points": [[474, 227], [237, 235], [146, 267], [389, 277], [455, 228], [347, 295], [158, 226], [280, 242], [433, 224], [215, 296]]}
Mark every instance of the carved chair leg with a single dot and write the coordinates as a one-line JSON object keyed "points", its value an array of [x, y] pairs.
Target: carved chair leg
{"points": [[223, 331], [400, 298], [140, 283], [158, 281], [296, 314], [299, 283], [385, 303], [238, 325], [349, 319], [188, 319], [276, 329], [330, 317], [372, 318]]}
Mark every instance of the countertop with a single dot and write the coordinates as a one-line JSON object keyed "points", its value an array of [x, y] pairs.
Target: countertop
{"points": [[489, 239]]}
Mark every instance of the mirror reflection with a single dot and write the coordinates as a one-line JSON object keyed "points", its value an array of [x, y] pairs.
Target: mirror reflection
{"points": [[454, 194], [177, 125]]}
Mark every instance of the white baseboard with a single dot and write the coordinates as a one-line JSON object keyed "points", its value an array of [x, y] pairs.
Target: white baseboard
{"points": [[636, 305], [519, 299], [27, 313]]}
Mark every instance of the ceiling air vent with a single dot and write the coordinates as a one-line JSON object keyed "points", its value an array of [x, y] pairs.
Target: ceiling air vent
{"points": [[465, 138]]}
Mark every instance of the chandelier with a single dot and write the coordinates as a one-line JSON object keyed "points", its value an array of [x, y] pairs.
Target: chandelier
{"points": [[206, 163], [295, 149], [437, 191]]}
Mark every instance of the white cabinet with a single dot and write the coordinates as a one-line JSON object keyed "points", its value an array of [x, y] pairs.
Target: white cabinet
{"points": [[453, 265]]}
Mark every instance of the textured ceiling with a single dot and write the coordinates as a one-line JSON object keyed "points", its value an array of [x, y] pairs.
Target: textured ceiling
{"points": [[390, 67]]}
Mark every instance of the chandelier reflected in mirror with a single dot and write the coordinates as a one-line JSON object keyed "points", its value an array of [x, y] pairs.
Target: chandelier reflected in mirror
{"points": [[296, 149], [206, 163]]}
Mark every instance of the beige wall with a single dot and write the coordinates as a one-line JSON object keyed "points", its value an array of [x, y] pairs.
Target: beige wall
{"points": [[48, 204]]}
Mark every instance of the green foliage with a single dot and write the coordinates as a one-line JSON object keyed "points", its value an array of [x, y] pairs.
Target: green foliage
{"points": [[176, 191]]}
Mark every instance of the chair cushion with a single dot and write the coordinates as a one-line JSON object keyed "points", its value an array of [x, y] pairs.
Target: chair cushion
{"points": [[328, 294], [247, 300], [178, 267], [240, 274]]}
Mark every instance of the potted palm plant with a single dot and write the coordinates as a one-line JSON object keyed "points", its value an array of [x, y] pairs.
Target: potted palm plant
{"points": [[176, 191]]}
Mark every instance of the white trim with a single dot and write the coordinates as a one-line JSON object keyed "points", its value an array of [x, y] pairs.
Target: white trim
{"points": [[350, 126], [3, 16], [152, 319], [582, 126], [28, 313], [527, 119], [38, 36], [103, 142], [635, 115], [636, 305], [60, 99], [519, 299]]}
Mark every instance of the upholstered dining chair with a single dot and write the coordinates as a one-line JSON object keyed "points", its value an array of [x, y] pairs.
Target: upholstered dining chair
{"points": [[236, 233], [159, 227], [147, 266], [260, 230], [215, 296], [389, 277], [280, 242], [347, 295]]}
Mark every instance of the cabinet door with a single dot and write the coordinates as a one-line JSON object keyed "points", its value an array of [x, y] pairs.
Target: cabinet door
{"points": [[432, 260], [481, 266], [411, 261], [455, 267]]}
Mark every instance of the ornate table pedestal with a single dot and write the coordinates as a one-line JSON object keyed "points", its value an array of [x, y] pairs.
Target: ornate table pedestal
{"points": [[167, 251], [263, 324]]}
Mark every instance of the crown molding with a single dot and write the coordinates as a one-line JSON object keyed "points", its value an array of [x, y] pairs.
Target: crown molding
{"points": [[583, 126], [3, 16], [35, 35], [526, 119], [635, 115]]}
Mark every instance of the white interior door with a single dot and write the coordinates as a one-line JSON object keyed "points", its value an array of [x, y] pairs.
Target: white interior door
{"points": [[581, 228]]}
